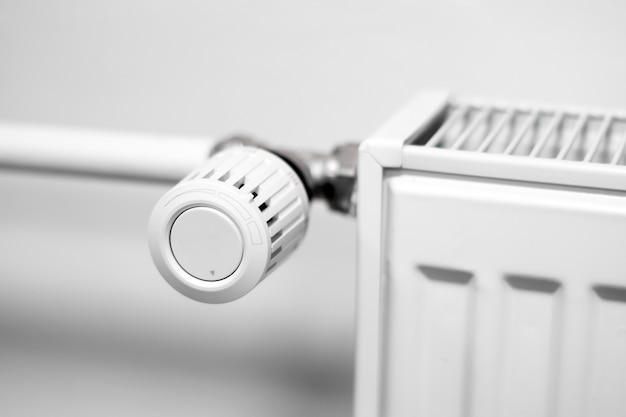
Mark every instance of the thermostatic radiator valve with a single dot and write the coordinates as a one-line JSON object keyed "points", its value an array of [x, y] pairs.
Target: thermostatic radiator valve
{"points": [[228, 224], [223, 228]]}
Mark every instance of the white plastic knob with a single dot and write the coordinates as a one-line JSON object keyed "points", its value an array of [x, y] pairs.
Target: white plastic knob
{"points": [[228, 224]]}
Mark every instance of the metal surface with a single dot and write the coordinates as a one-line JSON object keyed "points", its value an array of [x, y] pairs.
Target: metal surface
{"points": [[330, 177], [491, 273], [533, 131], [120, 155]]}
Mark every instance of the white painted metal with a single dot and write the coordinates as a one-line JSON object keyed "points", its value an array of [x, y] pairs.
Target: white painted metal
{"points": [[101, 153], [492, 284]]}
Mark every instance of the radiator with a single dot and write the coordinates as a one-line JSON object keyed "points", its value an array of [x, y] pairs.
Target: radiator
{"points": [[492, 261]]}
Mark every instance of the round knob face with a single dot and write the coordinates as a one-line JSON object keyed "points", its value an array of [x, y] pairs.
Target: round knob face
{"points": [[206, 243]]}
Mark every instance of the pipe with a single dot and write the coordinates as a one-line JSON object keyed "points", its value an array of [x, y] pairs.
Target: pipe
{"points": [[116, 155]]}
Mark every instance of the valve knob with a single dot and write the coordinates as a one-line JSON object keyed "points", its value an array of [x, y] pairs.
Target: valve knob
{"points": [[228, 224]]}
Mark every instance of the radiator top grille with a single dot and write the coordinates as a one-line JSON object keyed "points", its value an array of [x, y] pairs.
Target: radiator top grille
{"points": [[532, 132]]}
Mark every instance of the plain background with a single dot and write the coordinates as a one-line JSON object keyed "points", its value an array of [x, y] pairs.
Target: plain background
{"points": [[86, 324]]}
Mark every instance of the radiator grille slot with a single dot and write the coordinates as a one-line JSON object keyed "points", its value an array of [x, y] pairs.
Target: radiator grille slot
{"points": [[533, 132]]}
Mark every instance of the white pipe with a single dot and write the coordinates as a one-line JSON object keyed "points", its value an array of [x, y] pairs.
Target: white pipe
{"points": [[100, 153]]}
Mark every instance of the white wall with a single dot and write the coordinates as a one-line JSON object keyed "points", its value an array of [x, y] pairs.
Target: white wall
{"points": [[85, 320]]}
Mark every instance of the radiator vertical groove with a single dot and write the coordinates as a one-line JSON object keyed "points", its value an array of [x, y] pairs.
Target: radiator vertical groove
{"points": [[532, 344], [608, 372]]}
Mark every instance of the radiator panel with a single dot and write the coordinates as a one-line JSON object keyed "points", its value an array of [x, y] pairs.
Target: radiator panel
{"points": [[499, 300], [492, 275]]}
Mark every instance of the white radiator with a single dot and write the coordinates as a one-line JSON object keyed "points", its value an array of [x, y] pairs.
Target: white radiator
{"points": [[492, 262]]}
